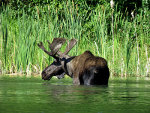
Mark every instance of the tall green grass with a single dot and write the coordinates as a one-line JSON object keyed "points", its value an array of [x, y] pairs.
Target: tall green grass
{"points": [[19, 36]]}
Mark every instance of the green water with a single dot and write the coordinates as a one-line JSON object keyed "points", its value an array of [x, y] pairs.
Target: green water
{"points": [[30, 95]]}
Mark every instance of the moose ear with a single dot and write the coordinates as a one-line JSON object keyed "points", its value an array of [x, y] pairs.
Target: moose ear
{"points": [[56, 44], [70, 45]]}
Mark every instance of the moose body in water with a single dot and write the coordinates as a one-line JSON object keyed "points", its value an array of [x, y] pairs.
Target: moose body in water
{"points": [[85, 69]]}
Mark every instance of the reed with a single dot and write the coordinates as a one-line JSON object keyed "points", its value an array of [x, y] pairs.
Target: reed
{"points": [[126, 52]]}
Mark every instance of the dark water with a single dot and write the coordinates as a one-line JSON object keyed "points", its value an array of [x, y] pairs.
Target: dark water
{"points": [[20, 95]]}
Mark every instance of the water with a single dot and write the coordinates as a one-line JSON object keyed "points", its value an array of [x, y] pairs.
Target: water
{"points": [[24, 95]]}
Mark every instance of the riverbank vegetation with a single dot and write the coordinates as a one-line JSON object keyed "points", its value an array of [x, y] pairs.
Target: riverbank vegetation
{"points": [[121, 38]]}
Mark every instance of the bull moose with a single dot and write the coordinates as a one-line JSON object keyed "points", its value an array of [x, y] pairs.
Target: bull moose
{"points": [[85, 69]]}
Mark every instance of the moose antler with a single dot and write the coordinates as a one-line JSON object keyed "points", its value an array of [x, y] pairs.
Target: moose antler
{"points": [[70, 45], [43, 48], [56, 45]]}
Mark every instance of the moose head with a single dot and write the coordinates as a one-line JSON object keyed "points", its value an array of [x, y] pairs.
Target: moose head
{"points": [[56, 68], [85, 69]]}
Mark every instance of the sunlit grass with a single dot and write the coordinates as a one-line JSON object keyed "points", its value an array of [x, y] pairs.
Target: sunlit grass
{"points": [[19, 36]]}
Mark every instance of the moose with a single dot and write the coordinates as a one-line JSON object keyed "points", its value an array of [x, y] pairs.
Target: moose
{"points": [[85, 69]]}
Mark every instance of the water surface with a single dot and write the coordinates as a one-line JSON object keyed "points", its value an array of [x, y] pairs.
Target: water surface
{"points": [[33, 95]]}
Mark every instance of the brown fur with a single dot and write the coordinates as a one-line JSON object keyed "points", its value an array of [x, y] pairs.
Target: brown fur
{"points": [[83, 63], [79, 62], [86, 60]]}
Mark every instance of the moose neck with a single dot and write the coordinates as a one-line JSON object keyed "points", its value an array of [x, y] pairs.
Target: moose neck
{"points": [[68, 65]]}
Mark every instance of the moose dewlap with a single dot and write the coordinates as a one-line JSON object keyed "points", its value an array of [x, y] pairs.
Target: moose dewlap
{"points": [[85, 69]]}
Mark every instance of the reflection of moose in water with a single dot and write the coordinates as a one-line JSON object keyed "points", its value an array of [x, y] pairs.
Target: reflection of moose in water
{"points": [[75, 94], [85, 69]]}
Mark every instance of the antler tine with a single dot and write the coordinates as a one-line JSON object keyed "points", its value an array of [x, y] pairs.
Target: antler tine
{"points": [[56, 45], [70, 45], [43, 48]]}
